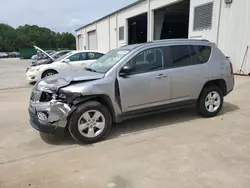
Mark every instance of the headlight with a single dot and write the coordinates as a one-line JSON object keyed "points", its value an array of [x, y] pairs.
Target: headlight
{"points": [[35, 69]]}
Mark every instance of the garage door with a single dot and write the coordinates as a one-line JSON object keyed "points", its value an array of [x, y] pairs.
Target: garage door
{"points": [[92, 40], [79, 42]]}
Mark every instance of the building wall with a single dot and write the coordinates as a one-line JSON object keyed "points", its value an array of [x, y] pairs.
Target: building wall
{"points": [[128, 13], [106, 43], [113, 34], [234, 32], [80, 39], [210, 34], [103, 38], [156, 4], [230, 27]]}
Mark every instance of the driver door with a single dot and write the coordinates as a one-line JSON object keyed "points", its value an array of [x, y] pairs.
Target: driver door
{"points": [[77, 61], [148, 85]]}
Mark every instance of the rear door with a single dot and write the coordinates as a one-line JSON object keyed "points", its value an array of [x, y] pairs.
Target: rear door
{"points": [[188, 72]]}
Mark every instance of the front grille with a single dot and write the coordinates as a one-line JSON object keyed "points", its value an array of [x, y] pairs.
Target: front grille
{"points": [[45, 97]]}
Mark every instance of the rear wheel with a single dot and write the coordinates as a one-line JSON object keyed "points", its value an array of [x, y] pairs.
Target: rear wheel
{"points": [[210, 101], [90, 123], [49, 73]]}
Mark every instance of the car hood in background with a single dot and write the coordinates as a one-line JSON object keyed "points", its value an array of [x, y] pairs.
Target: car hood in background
{"points": [[58, 81], [45, 53], [41, 62]]}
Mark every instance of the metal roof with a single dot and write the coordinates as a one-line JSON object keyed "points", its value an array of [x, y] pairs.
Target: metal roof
{"points": [[124, 8]]}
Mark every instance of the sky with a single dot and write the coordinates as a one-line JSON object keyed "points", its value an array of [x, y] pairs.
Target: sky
{"points": [[58, 15]]}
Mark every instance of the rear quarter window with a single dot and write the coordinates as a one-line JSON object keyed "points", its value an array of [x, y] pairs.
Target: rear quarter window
{"points": [[204, 53]]}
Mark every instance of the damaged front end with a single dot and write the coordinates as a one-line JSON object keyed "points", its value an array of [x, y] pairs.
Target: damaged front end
{"points": [[47, 109], [48, 116], [51, 104]]}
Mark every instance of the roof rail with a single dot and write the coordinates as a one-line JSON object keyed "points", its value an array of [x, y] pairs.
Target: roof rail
{"points": [[181, 39]]}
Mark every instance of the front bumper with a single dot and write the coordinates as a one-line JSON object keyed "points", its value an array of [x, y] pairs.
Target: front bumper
{"points": [[28, 68], [32, 76], [54, 118]]}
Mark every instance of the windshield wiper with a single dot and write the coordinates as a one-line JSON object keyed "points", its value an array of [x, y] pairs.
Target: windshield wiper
{"points": [[89, 69]]}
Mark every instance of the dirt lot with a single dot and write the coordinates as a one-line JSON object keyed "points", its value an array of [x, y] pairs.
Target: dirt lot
{"points": [[173, 150]]}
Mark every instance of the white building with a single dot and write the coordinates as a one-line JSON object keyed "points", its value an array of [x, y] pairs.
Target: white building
{"points": [[225, 22]]}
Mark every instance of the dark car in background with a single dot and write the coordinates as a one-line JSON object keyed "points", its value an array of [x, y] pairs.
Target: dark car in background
{"points": [[13, 54]]}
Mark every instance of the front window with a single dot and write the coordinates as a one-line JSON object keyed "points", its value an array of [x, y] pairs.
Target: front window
{"points": [[64, 56], [106, 62], [78, 57]]}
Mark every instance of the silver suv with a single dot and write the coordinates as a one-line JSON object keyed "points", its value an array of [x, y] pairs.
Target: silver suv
{"points": [[132, 81]]}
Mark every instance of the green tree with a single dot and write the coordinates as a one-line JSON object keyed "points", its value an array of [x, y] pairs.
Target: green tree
{"points": [[28, 35]]}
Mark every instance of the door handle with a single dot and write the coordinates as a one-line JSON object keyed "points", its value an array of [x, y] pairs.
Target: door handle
{"points": [[161, 76]]}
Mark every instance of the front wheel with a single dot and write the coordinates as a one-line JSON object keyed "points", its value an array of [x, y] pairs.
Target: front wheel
{"points": [[48, 73], [210, 101], [90, 122]]}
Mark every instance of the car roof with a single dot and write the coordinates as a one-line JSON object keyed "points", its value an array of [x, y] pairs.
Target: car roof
{"points": [[167, 41], [77, 51], [61, 51]]}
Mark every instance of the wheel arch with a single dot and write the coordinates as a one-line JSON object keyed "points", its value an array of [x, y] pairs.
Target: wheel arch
{"points": [[221, 83], [102, 98], [46, 70]]}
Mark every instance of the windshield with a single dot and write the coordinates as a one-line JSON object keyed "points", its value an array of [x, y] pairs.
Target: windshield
{"points": [[64, 56], [107, 61]]}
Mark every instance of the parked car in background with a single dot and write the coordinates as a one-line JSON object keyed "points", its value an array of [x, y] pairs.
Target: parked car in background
{"points": [[49, 60], [40, 55], [3, 55], [72, 61], [13, 54], [132, 81]]}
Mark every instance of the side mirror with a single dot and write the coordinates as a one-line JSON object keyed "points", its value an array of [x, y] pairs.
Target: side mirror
{"points": [[66, 61], [126, 70]]}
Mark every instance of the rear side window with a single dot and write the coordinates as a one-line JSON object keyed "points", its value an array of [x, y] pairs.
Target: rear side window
{"points": [[180, 55], [94, 55], [204, 53]]}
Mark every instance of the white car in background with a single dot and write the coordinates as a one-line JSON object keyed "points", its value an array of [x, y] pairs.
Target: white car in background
{"points": [[72, 61]]}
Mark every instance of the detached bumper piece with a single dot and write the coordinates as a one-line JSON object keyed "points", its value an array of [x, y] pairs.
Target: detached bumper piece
{"points": [[49, 117]]}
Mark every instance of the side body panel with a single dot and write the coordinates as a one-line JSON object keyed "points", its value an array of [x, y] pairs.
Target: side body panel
{"points": [[144, 90], [187, 82]]}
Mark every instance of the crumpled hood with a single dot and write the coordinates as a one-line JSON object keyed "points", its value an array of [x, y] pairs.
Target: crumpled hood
{"points": [[58, 81]]}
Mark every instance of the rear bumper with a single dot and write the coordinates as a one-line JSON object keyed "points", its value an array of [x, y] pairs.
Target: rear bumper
{"points": [[230, 84]]}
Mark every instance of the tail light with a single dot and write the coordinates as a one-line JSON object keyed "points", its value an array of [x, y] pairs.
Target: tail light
{"points": [[231, 67]]}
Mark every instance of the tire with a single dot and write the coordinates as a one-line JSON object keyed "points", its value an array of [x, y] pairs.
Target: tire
{"points": [[83, 125], [48, 73], [210, 105]]}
